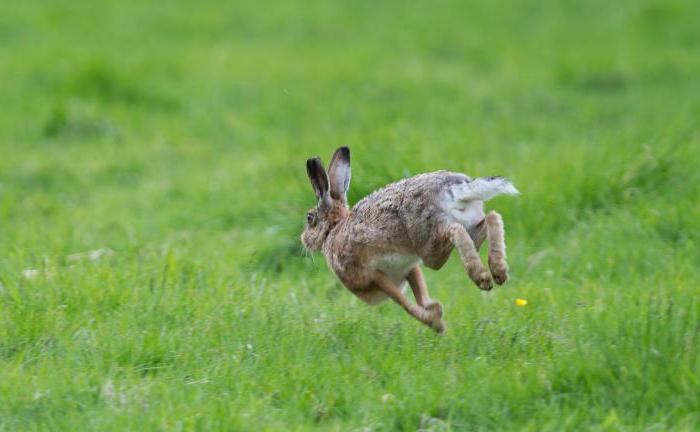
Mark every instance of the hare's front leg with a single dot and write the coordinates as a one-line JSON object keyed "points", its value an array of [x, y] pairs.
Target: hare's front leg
{"points": [[430, 317], [420, 292], [420, 289], [470, 257], [497, 247]]}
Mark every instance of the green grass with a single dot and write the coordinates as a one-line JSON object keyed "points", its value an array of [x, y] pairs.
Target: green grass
{"points": [[173, 138]]}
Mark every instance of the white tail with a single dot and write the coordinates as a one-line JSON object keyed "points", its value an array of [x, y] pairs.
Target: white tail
{"points": [[483, 189]]}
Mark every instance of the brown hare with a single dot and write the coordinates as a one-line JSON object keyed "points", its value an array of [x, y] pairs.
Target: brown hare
{"points": [[379, 245]]}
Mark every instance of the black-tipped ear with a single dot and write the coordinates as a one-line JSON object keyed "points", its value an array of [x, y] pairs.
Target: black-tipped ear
{"points": [[339, 173], [318, 177]]}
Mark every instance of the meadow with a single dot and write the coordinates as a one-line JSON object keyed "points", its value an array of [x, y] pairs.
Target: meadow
{"points": [[152, 193]]}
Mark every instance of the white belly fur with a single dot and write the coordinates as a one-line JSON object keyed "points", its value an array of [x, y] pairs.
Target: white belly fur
{"points": [[396, 266]]}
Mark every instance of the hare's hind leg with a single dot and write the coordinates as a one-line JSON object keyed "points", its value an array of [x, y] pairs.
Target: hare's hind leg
{"points": [[497, 247], [478, 234], [470, 257], [427, 316]]}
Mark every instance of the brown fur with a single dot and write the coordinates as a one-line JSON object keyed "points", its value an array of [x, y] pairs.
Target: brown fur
{"points": [[405, 219]]}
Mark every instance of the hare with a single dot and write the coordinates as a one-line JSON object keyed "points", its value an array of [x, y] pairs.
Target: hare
{"points": [[379, 245]]}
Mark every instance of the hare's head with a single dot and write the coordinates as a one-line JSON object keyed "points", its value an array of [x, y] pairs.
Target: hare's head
{"points": [[331, 192]]}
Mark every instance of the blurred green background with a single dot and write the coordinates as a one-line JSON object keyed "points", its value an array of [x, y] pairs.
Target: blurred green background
{"points": [[152, 190]]}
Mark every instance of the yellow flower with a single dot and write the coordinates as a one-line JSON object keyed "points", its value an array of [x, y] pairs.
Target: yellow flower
{"points": [[520, 302]]}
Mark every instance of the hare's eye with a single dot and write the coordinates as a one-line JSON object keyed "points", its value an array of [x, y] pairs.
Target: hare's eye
{"points": [[310, 217]]}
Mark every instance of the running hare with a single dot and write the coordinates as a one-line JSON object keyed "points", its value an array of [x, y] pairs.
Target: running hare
{"points": [[378, 246]]}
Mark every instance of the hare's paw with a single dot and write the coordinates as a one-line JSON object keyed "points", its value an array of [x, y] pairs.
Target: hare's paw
{"points": [[439, 326], [499, 270], [434, 309], [482, 279]]}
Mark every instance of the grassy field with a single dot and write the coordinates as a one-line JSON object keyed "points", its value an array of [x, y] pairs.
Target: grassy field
{"points": [[152, 191]]}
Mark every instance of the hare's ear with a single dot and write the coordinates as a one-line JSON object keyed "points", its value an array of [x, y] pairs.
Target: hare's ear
{"points": [[319, 179], [339, 173]]}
